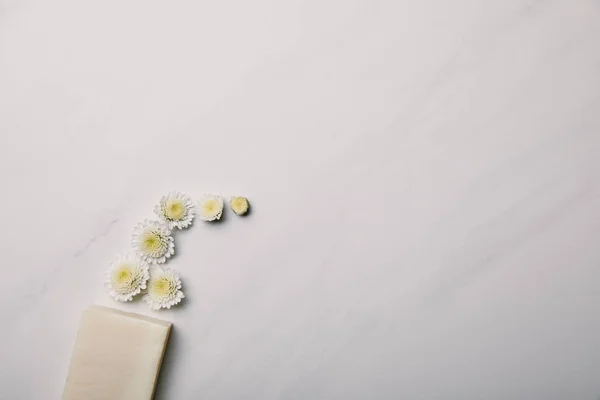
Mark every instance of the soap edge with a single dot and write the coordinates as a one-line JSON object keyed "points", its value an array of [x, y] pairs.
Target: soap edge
{"points": [[141, 317], [160, 362]]}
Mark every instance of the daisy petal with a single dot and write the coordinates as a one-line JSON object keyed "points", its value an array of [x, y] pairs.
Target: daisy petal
{"points": [[163, 289], [176, 209], [153, 242], [127, 275], [210, 207]]}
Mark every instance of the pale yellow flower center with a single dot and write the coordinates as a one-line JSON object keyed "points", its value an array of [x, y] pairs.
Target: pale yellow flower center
{"points": [[123, 278], [210, 207], [151, 241], [161, 286], [239, 205], [174, 209]]}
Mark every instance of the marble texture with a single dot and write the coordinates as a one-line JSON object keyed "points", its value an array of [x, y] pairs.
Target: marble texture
{"points": [[424, 178]]}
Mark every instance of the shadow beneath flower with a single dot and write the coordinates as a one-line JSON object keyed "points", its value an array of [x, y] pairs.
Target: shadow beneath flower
{"points": [[224, 217], [248, 212]]}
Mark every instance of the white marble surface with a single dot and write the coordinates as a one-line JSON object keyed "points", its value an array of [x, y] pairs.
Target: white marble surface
{"points": [[424, 174]]}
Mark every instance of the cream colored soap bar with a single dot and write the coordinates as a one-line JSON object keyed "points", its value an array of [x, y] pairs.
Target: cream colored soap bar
{"points": [[117, 356]]}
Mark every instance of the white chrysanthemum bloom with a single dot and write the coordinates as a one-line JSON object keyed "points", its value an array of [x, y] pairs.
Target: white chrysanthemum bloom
{"points": [[239, 205], [176, 209], [164, 289], [153, 241], [210, 208], [126, 277]]}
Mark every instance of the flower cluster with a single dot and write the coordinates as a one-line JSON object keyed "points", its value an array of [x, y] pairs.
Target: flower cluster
{"points": [[140, 271]]}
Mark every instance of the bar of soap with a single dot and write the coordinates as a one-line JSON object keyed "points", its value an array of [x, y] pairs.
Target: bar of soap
{"points": [[117, 356]]}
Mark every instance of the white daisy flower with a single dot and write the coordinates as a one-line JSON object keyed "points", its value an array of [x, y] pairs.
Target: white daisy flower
{"points": [[153, 242], [164, 289], [126, 277], [239, 205], [176, 209], [210, 208]]}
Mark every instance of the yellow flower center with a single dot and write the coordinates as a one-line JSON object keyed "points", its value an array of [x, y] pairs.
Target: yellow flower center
{"points": [[161, 286], [174, 209], [151, 241], [123, 278], [210, 207], [239, 205]]}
